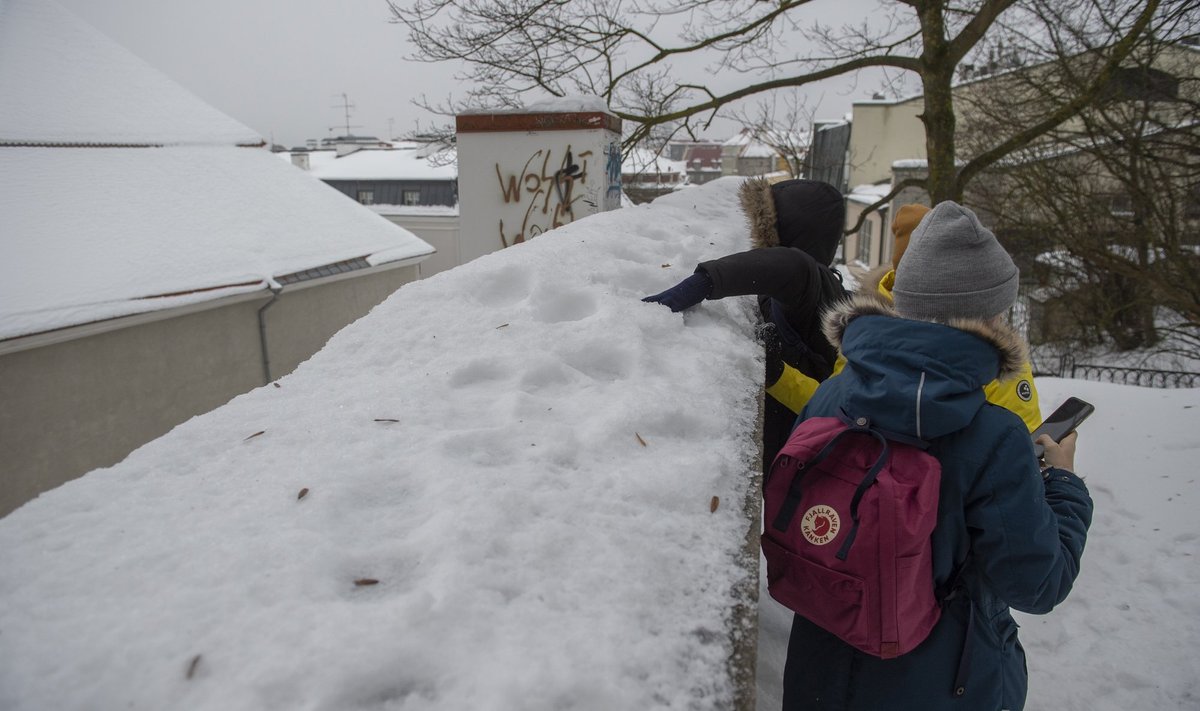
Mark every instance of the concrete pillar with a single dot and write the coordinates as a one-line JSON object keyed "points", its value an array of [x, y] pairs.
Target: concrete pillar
{"points": [[522, 173]]}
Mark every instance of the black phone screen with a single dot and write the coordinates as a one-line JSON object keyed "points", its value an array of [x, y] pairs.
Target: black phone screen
{"points": [[1062, 422]]}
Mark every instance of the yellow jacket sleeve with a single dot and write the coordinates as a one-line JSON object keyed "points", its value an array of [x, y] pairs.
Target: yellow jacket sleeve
{"points": [[1018, 395], [793, 389]]}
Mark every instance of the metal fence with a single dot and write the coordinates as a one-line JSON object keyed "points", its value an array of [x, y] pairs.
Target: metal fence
{"points": [[1144, 377]]}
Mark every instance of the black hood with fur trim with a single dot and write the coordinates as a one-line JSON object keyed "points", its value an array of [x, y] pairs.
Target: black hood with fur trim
{"points": [[918, 378], [806, 214]]}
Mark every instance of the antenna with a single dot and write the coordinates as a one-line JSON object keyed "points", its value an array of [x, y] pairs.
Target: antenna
{"points": [[346, 106]]}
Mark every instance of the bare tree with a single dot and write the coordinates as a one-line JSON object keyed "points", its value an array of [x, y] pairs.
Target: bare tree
{"points": [[632, 53], [782, 121], [1105, 209]]}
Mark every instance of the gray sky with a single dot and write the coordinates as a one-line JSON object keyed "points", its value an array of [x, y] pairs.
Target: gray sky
{"points": [[280, 66]]}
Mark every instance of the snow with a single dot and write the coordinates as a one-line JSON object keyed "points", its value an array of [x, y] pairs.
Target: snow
{"points": [[64, 82], [520, 451], [415, 210], [751, 147], [91, 233], [642, 162], [475, 445], [568, 104], [582, 103], [375, 164], [868, 194]]}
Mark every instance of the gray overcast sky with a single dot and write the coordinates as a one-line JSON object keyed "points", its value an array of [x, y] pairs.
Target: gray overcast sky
{"points": [[280, 66]]}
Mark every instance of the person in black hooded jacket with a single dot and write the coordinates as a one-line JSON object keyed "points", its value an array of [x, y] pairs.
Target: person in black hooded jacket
{"points": [[795, 229]]}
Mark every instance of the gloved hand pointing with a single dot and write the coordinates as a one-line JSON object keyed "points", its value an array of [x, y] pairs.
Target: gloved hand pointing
{"points": [[685, 294]]}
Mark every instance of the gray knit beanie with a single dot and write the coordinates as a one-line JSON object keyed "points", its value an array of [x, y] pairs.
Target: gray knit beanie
{"points": [[954, 268]]}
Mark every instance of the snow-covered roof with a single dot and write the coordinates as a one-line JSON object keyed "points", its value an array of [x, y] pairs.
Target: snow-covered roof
{"points": [[741, 138], [415, 210], [640, 161], [569, 104], [751, 147], [583, 103], [64, 82], [868, 194], [92, 233], [380, 164]]}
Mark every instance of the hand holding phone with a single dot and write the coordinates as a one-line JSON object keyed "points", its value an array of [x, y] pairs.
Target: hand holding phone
{"points": [[1062, 422], [1059, 455]]}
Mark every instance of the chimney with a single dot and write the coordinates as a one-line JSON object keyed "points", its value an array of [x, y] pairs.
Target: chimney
{"points": [[300, 160]]}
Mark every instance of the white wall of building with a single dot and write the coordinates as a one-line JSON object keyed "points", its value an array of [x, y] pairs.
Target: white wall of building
{"points": [[532, 172]]}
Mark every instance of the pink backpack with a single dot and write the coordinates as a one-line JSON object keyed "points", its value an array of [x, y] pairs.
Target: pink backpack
{"points": [[848, 513]]}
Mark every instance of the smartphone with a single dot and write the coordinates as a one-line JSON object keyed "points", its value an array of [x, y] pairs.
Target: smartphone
{"points": [[1062, 422]]}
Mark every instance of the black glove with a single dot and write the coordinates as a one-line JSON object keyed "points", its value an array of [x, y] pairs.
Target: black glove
{"points": [[768, 333], [685, 294]]}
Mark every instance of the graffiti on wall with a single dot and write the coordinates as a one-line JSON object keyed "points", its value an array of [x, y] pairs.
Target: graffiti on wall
{"points": [[612, 169], [547, 195]]}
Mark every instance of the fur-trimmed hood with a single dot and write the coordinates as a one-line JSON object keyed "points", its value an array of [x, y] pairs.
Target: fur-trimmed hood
{"points": [[919, 377], [806, 214], [1008, 344]]}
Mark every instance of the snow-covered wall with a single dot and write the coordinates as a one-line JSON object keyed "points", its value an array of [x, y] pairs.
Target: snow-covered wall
{"points": [[513, 485]]}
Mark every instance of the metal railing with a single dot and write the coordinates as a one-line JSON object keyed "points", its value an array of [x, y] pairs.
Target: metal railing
{"points": [[1144, 377]]}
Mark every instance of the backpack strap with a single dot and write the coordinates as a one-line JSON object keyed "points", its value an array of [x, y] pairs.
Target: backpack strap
{"points": [[787, 511], [863, 485]]}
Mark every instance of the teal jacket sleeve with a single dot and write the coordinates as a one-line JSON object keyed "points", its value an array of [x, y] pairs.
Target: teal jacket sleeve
{"points": [[1028, 532]]}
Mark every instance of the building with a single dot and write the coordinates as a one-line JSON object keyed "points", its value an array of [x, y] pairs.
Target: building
{"points": [[882, 142], [743, 154], [828, 157], [413, 185], [702, 158], [157, 259], [646, 175]]}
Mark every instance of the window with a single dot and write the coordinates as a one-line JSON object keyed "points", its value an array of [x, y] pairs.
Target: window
{"points": [[1191, 205], [411, 197], [366, 197], [865, 236], [1141, 84], [1119, 204]]}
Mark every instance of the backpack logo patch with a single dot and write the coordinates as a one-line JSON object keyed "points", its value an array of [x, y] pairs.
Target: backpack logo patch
{"points": [[820, 525]]}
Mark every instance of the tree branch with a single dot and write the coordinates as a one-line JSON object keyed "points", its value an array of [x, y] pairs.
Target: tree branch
{"points": [[1120, 51]]}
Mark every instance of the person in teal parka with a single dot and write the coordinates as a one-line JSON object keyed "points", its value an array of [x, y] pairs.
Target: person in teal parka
{"points": [[1010, 531]]}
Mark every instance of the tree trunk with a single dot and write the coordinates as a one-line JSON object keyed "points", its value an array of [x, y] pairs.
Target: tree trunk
{"points": [[938, 116]]}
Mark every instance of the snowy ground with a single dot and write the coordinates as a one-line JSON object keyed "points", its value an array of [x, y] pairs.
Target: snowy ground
{"points": [[508, 476]]}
